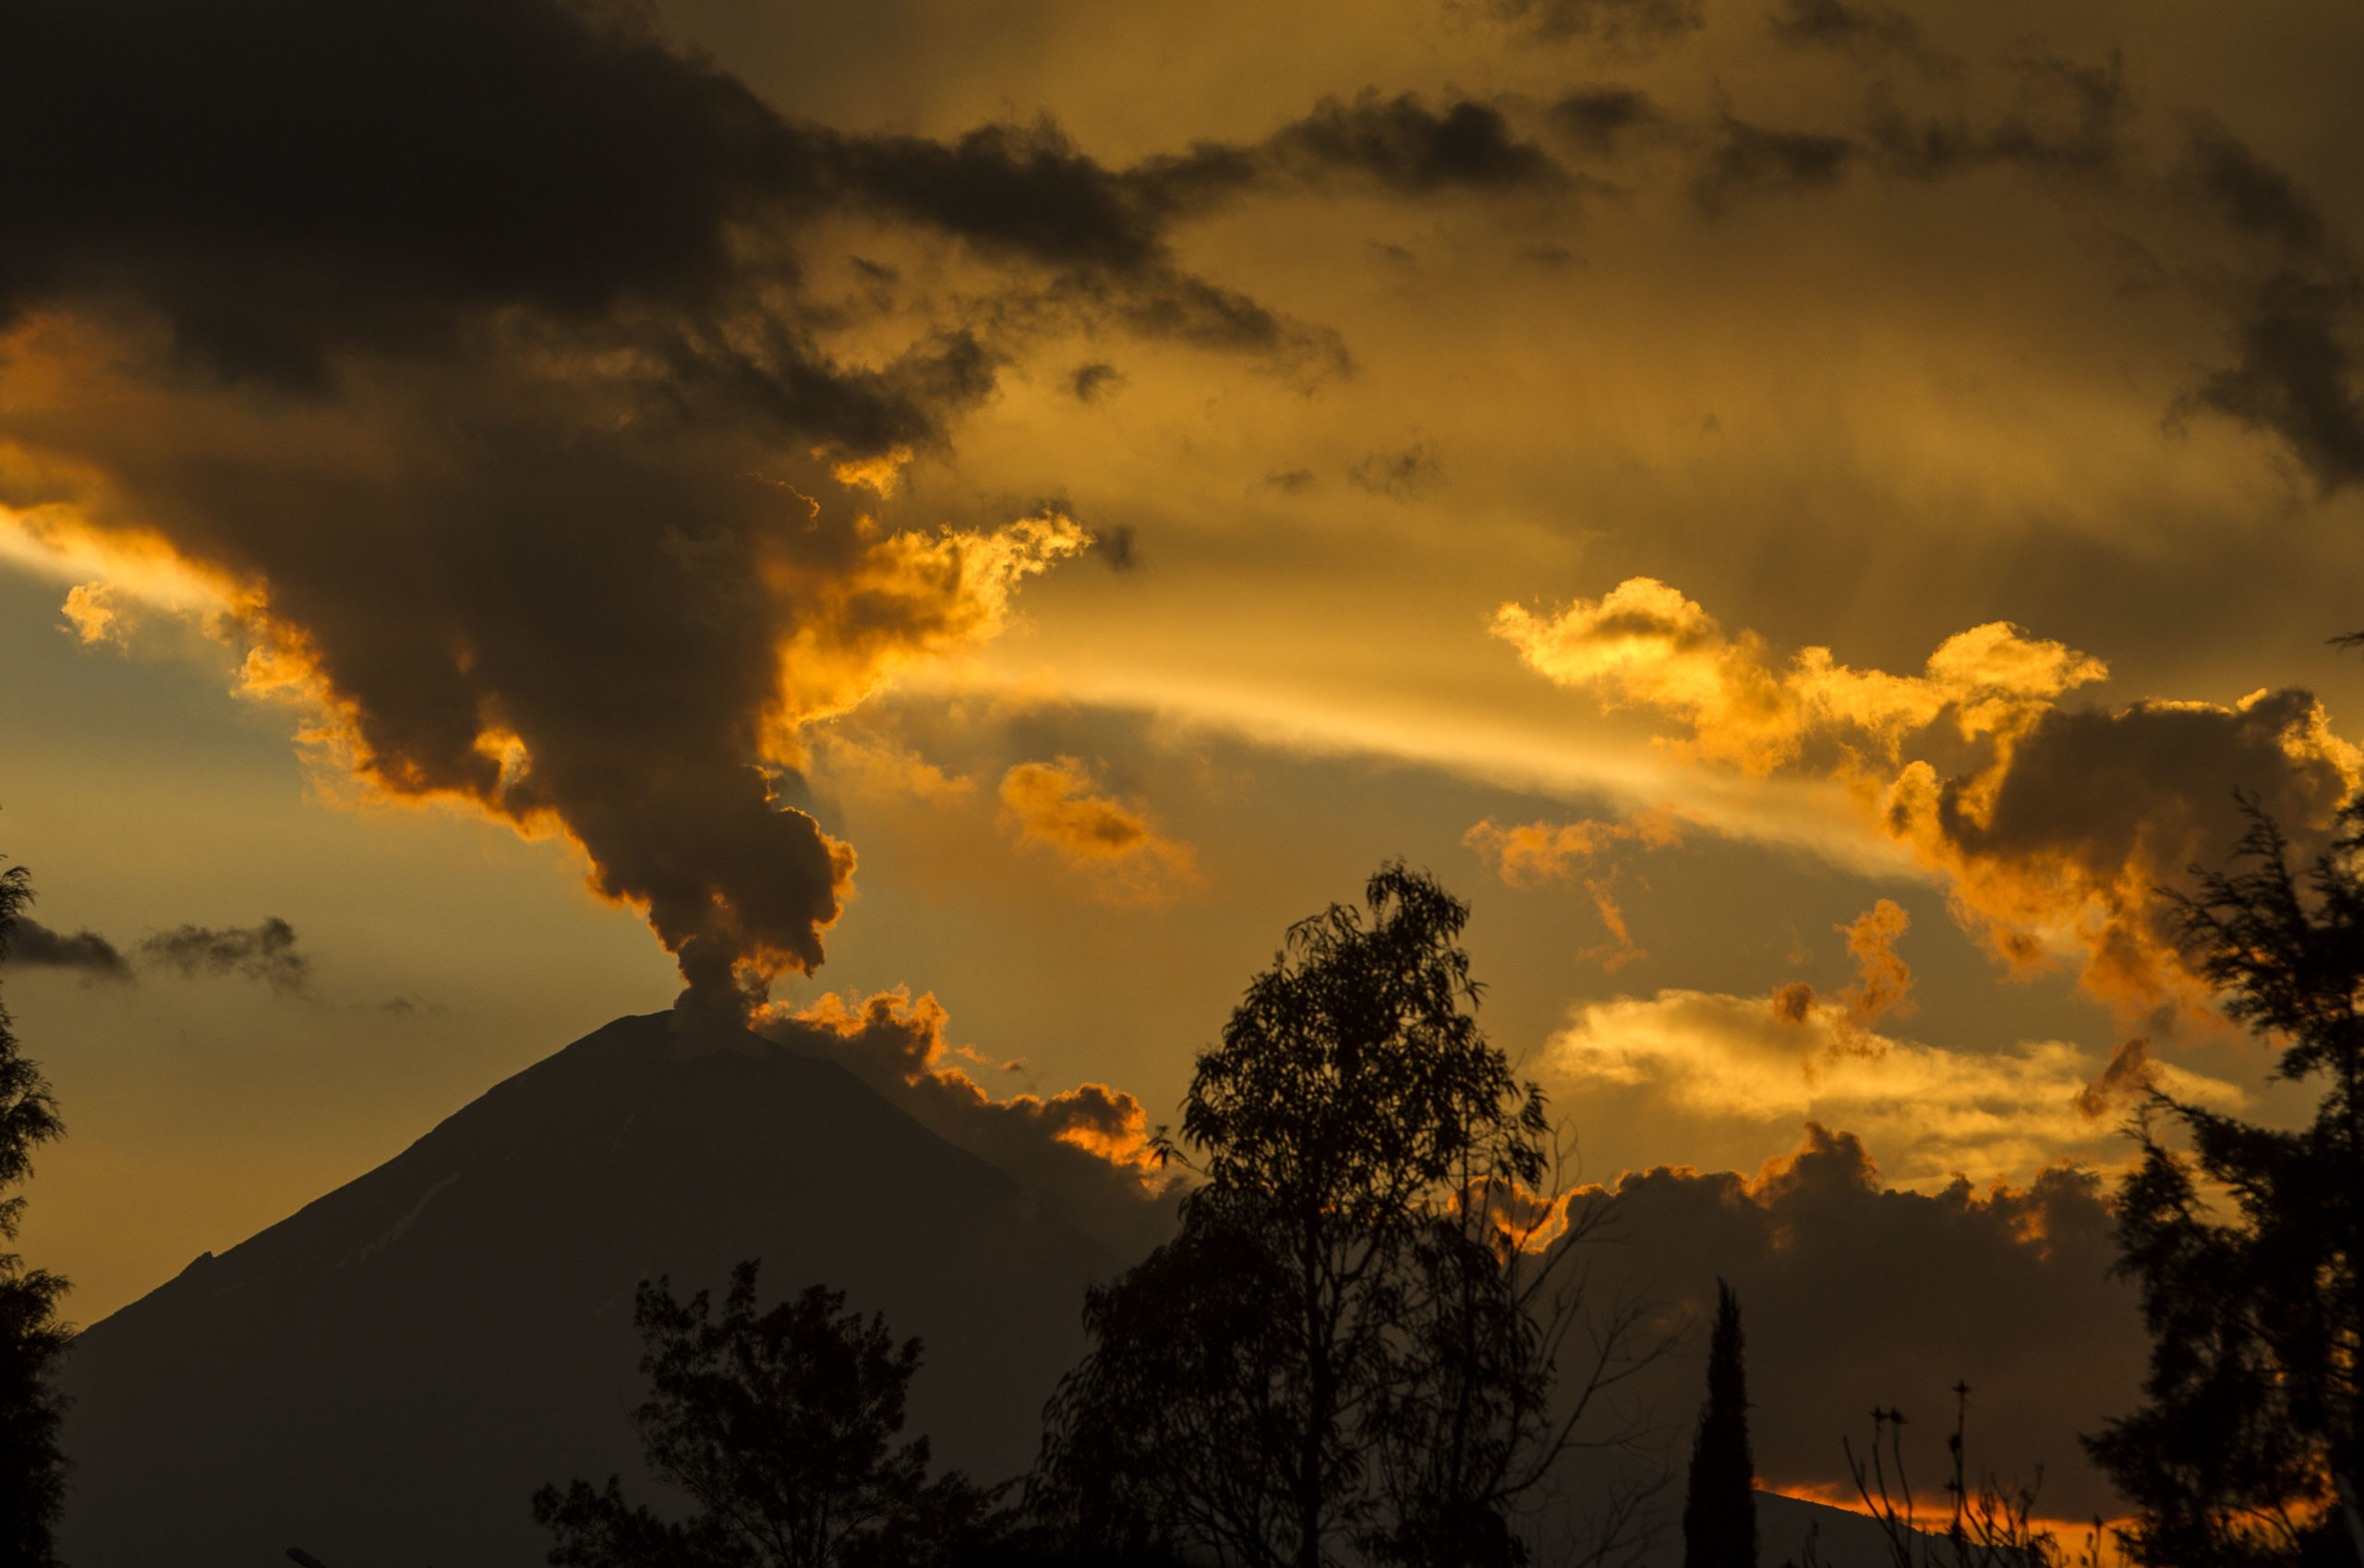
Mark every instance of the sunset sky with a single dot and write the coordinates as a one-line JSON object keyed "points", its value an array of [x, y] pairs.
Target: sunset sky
{"points": [[1802, 512]]}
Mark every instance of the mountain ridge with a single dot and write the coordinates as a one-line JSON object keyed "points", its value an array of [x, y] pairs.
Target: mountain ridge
{"points": [[455, 1324]]}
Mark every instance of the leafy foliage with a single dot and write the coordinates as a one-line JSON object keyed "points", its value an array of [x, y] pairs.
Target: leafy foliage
{"points": [[32, 1466], [781, 1426], [1352, 1342], [2247, 1243]]}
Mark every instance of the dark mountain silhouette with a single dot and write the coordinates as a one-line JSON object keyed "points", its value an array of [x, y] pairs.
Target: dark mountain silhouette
{"points": [[384, 1377]]}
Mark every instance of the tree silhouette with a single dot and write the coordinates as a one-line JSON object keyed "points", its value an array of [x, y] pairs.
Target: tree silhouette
{"points": [[1353, 1340], [2246, 1245], [781, 1426], [1719, 1513], [32, 1468]]}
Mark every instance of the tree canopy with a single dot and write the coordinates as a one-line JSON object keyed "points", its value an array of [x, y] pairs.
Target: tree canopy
{"points": [[1351, 1344], [32, 1468], [2245, 1239], [781, 1427]]}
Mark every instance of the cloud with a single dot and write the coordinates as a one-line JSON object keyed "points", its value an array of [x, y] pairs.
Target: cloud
{"points": [[1095, 380], [1539, 853], [1643, 644], [1406, 473], [1407, 148], [1289, 482], [2128, 1076], [1751, 158], [2294, 374], [1883, 982], [265, 953], [1535, 853], [1599, 119], [2051, 826], [1085, 1151], [1638, 25], [1052, 804], [1756, 1062], [2064, 117], [35, 945], [1867, 27], [540, 309], [1855, 1294]]}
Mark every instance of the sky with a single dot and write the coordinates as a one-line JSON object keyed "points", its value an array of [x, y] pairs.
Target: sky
{"points": [[952, 524]]}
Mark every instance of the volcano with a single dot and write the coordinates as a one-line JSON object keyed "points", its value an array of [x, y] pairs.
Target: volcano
{"points": [[385, 1377]]}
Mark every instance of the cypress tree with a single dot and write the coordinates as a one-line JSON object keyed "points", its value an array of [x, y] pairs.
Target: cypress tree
{"points": [[1719, 1514]]}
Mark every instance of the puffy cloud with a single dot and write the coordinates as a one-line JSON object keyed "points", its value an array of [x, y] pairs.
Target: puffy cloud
{"points": [[1759, 1061], [1883, 982], [2051, 826], [1085, 1151], [35, 945], [1855, 1294], [1053, 803], [265, 953], [1643, 644], [1534, 853]]}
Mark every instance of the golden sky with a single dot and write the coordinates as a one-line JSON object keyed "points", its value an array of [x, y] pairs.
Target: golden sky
{"points": [[1803, 513]]}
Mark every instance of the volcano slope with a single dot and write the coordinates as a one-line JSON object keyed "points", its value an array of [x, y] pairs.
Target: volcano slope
{"points": [[384, 1377]]}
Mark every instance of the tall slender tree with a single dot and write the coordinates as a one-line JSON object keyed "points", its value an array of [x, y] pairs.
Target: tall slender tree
{"points": [[32, 1466], [1720, 1514]]}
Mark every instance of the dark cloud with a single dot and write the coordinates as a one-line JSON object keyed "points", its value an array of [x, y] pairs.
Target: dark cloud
{"points": [[1116, 545], [1406, 473], [1404, 146], [2064, 117], [2244, 191], [1289, 481], [265, 953], [1632, 24], [476, 340], [2096, 810], [2294, 374], [1600, 118], [2126, 1078], [1860, 26], [1095, 380], [1855, 1295], [35, 945], [1747, 159], [1398, 144]]}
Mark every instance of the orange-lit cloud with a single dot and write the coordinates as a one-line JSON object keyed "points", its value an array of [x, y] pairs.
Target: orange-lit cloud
{"points": [[1531, 854], [2051, 826], [1534, 853], [1644, 644], [1769, 1061], [1052, 804], [1884, 981]]}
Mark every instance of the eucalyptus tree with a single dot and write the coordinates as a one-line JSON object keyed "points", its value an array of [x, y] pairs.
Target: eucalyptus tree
{"points": [[1352, 1347]]}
